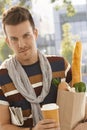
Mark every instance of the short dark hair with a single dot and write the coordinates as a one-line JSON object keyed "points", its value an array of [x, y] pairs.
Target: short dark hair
{"points": [[16, 15]]}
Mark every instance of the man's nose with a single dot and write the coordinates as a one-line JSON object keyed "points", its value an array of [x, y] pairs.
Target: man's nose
{"points": [[21, 43]]}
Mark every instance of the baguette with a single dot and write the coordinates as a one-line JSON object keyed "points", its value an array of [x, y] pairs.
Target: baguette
{"points": [[76, 63]]}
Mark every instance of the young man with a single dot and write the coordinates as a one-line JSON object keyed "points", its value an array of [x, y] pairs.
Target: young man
{"points": [[26, 78]]}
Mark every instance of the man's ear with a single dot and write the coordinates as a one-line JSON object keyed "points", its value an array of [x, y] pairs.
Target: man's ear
{"points": [[36, 33], [7, 41]]}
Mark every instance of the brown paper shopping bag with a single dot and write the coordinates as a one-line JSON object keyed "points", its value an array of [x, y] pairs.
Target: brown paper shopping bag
{"points": [[72, 108]]}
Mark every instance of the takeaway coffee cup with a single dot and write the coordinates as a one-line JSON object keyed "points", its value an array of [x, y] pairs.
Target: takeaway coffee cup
{"points": [[50, 111]]}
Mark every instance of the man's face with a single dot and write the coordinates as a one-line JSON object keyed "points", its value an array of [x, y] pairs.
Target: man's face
{"points": [[21, 39]]}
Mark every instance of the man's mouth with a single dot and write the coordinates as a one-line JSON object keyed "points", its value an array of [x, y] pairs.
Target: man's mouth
{"points": [[23, 51]]}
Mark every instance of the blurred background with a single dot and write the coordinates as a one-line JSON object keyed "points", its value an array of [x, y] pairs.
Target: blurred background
{"points": [[60, 24]]}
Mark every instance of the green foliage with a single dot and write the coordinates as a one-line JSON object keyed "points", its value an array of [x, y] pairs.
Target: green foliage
{"points": [[4, 4], [67, 4], [70, 10], [52, 1], [7, 3], [5, 51], [67, 43], [26, 3]]}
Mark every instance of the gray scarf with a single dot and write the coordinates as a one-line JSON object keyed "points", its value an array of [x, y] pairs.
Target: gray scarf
{"points": [[23, 85]]}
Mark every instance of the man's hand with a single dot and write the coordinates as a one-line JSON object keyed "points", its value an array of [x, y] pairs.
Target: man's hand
{"points": [[46, 124]]}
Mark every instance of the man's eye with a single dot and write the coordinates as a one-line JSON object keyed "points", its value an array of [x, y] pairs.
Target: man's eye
{"points": [[14, 39], [27, 36]]}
